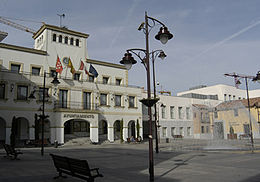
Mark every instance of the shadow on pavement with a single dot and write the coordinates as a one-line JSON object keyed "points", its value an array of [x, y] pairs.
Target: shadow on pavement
{"points": [[116, 164]]}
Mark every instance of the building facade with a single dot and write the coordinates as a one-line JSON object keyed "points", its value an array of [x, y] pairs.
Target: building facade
{"points": [[230, 120], [175, 117], [90, 101], [220, 91]]}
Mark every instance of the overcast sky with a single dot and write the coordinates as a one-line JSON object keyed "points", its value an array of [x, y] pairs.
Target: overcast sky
{"points": [[210, 37]]}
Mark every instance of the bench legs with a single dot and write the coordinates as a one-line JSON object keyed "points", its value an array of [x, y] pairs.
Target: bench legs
{"points": [[59, 176]]}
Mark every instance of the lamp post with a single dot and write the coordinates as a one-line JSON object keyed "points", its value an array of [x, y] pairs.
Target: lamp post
{"points": [[55, 81], [161, 55], [237, 82], [256, 105], [163, 35]]}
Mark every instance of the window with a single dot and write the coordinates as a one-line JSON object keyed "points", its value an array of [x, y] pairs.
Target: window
{"points": [[71, 41], [118, 81], [63, 96], [201, 116], [172, 112], [173, 131], [91, 78], [77, 42], [36, 71], [2, 90], [54, 37], [87, 100], [131, 101], [234, 97], [105, 80], [235, 112], [117, 100], [66, 40], [103, 99], [80, 126], [41, 93], [163, 112], [207, 117], [15, 68], [60, 38], [181, 131], [188, 131], [215, 114], [225, 97], [202, 129], [164, 131], [229, 97], [207, 129], [76, 76], [22, 92], [180, 112], [187, 112]]}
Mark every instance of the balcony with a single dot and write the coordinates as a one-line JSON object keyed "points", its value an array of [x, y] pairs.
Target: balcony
{"points": [[79, 106]]}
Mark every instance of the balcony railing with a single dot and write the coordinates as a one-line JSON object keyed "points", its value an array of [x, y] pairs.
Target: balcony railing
{"points": [[29, 75], [76, 105]]}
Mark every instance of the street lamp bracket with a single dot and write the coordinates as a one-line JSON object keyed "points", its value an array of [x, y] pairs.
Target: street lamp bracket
{"points": [[149, 102]]}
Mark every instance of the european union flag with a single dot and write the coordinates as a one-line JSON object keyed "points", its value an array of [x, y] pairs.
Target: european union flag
{"points": [[93, 71]]}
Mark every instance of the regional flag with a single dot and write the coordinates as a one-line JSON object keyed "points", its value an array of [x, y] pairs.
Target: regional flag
{"points": [[59, 67], [93, 71], [81, 67]]}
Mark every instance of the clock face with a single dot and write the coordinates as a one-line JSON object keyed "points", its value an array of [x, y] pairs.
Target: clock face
{"points": [[66, 60]]}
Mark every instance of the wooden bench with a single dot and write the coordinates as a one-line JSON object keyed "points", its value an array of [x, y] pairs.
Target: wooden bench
{"points": [[177, 136], [74, 167], [11, 152], [244, 136]]}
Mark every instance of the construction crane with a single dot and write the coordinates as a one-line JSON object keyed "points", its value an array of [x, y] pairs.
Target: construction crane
{"points": [[15, 25], [238, 76]]}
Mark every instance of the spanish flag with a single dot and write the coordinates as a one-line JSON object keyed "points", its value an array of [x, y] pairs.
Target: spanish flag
{"points": [[70, 65]]}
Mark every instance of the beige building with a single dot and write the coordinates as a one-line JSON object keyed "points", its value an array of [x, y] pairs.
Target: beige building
{"points": [[230, 120]]}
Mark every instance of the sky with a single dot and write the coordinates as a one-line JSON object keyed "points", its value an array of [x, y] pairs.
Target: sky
{"points": [[211, 37]]}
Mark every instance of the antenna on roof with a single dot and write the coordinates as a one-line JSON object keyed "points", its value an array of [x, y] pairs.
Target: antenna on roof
{"points": [[61, 16]]}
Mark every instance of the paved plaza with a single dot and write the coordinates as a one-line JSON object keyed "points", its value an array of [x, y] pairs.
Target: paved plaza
{"points": [[178, 161]]}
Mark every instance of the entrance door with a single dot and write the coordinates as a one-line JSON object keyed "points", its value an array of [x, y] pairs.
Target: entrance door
{"points": [[218, 131], [246, 129]]}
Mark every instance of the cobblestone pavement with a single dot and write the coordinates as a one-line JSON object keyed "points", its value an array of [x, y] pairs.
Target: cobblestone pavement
{"points": [[177, 161]]}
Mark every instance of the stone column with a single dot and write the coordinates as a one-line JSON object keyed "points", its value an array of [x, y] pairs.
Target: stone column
{"points": [[125, 133], [32, 133], [7, 135], [94, 134], [59, 135], [110, 134], [53, 136]]}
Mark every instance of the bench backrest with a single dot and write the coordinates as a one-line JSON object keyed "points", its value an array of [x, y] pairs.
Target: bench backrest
{"points": [[60, 162], [79, 166], [75, 166]]}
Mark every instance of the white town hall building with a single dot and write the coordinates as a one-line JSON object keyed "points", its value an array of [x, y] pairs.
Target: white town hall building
{"points": [[83, 104]]}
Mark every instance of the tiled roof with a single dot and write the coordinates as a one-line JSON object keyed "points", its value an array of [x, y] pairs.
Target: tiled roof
{"points": [[238, 104], [200, 106]]}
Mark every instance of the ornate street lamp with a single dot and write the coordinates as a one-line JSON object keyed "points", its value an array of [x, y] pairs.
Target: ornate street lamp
{"points": [[163, 35], [237, 82], [55, 81], [162, 55]]}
